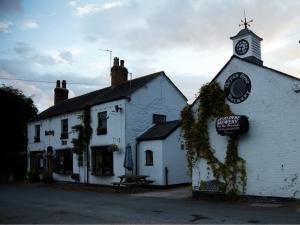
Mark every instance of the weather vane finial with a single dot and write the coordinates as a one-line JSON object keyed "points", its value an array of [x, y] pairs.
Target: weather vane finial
{"points": [[245, 22]]}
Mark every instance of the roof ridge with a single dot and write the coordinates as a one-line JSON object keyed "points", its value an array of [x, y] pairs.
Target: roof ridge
{"points": [[99, 96], [153, 74]]}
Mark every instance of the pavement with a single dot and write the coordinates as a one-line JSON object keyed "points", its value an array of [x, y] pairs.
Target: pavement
{"points": [[172, 193], [27, 203]]}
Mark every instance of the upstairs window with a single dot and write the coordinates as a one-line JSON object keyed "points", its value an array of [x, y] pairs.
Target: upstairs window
{"points": [[37, 133], [149, 158], [64, 129], [102, 123], [64, 161], [158, 119]]}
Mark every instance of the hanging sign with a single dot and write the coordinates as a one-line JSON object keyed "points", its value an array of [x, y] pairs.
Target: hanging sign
{"points": [[232, 125]]}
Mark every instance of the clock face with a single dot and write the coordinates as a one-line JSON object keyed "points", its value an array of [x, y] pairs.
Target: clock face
{"points": [[241, 48], [237, 87]]}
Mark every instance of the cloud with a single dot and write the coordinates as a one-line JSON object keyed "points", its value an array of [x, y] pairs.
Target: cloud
{"points": [[89, 9], [91, 38], [22, 48], [20, 62], [151, 26], [5, 26], [73, 3], [29, 24], [65, 56], [10, 6], [42, 99]]}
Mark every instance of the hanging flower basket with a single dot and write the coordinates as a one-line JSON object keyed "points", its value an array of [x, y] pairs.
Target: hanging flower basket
{"points": [[114, 148]]}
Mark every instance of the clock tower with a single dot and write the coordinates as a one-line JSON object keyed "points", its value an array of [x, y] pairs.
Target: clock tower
{"points": [[246, 44]]}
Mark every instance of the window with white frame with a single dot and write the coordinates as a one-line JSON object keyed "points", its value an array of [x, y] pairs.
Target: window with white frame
{"points": [[149, 158]]}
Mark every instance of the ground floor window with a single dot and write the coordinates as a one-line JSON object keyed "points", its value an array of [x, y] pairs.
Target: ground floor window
{"points": [[102, 161], [64, 161], [149, 158], [37, 162]]}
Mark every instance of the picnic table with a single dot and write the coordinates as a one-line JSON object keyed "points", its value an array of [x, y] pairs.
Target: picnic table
{"points": [[132, 181]]}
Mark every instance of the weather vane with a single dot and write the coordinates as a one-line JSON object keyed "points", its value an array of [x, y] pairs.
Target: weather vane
{"points": [[245, 22]]}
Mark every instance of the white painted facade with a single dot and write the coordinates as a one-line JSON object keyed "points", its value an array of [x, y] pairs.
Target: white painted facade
{"points": [[169, 160], [271, 147], [158, 96]]}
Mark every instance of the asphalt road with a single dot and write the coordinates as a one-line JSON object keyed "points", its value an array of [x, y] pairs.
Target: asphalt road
{"points": [[44, 204]]}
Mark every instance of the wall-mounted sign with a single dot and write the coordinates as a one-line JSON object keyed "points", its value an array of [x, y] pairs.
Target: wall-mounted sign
{"points": [[49, 132], [237, 87], [232, 125]]}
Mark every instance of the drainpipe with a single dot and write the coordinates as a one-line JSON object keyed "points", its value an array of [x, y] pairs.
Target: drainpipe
{"points": [[136, 157], [166, 175], [87, 164]]}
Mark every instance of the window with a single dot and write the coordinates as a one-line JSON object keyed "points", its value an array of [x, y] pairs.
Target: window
{"points": [[37, 133], [64, 161], [36, 161], [159, 118], [149, 158], [102, 123], [102, 161], [182, 146], [64, 129]]}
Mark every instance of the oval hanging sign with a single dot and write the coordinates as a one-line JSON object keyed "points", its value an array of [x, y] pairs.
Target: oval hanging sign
{"points": [[232, 125]]}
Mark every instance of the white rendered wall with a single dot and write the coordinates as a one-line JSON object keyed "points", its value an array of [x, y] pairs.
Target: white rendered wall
{"points": [[115, 135], [54, 141], [271, 147], [155, 172], [174, 158], [157, 97]]}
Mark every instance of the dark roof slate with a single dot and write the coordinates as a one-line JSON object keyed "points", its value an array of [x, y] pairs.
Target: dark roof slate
{"points": [[245, 32], [96, 97], [160, 131]]}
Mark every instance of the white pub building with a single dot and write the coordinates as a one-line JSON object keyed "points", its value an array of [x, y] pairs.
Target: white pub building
{"points": [[140, 114]]}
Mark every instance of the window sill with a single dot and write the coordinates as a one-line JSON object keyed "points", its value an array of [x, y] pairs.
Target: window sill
{"points": [[64, 136], [148, 164], [101, 131]]}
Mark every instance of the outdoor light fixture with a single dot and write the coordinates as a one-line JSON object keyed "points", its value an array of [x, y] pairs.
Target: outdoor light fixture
{"points": [[118, 108]]}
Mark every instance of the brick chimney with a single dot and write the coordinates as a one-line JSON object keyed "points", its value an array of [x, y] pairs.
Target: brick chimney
{"points": [[60, 93], [119, 73]]}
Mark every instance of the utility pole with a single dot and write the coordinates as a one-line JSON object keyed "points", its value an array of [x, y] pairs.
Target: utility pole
{"points": [[110, 57]]}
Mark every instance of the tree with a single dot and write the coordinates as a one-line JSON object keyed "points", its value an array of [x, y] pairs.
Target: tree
{"points": [[16, 109]]}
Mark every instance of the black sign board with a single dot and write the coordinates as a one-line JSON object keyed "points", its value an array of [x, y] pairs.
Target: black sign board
{"points": [[49, 132], [232, 125]]}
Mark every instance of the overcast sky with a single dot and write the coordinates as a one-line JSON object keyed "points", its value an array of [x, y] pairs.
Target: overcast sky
{"points": [[188, 39]]}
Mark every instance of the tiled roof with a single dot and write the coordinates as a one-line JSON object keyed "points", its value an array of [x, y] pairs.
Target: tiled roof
{"points": [[108, 94], [160, 131]]}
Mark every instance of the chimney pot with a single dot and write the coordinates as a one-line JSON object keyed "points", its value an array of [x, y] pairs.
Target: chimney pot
{"points": [[119, 73], [64, 84], [116, 61], [60, 93]]}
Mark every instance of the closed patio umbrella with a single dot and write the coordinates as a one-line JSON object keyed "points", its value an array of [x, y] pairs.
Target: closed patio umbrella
{"points": [[128, 163]]}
